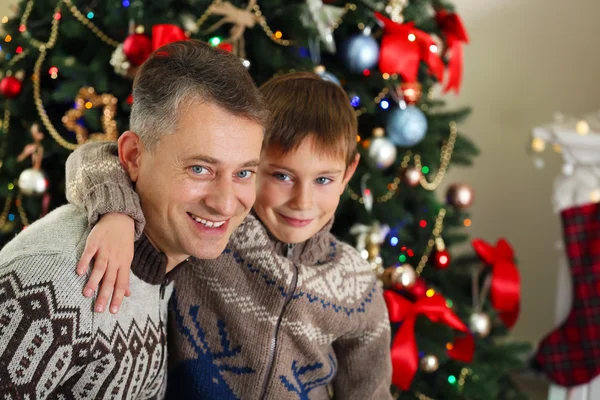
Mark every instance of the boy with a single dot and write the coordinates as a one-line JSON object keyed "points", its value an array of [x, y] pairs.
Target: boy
{"points": [[286, 310]]}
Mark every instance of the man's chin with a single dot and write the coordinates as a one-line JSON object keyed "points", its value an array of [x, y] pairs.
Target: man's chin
{"points": [[208, 251]]}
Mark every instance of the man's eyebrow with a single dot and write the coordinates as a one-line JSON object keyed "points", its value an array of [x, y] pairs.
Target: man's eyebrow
{"points": [[214, 161]]}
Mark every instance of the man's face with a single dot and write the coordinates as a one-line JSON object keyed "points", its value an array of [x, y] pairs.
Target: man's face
{"points": [[298, 192], [198, 184]]}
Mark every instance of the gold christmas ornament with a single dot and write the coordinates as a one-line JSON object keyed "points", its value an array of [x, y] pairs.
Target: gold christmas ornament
{"points": [[378, 132], [373, 250], [430, 363], [402, 276], [480, 323], [87, 99]]}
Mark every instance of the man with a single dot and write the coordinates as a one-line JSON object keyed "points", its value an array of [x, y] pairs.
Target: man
{"points": [[195, 139]]}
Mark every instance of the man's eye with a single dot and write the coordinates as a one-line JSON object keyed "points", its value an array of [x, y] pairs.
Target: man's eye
{"points": [[244, 174], [198, 170]]}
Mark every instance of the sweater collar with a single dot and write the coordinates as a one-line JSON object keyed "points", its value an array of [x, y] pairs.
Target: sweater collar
{"points": [[149, 264]]}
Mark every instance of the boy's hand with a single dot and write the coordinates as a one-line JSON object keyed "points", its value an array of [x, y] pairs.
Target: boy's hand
{"points": [[110, 244]]}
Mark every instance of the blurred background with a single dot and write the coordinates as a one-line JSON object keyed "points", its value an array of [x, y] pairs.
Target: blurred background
{"points": [[526, 61]]}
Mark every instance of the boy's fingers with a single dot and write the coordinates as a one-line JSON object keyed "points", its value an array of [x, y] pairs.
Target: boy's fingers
{"points": [[107, 288], [86, 258], [96, 276], [128, 292], [120, 291]]}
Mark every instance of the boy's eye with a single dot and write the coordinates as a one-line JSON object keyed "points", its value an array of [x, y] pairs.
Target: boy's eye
{"points": [[323, 181], [244, 174], [198, 170], [281, 177]]}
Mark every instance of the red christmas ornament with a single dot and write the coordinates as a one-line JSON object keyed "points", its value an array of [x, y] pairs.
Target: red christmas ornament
{"points": [[10, 87], [137, 48], [442, 259]]}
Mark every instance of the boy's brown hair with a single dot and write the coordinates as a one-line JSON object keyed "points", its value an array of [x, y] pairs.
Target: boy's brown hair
{"points": [[302, 105]]}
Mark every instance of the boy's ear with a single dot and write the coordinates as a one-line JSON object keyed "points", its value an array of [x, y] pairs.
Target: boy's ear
{"points": [[350, 169], [130, 150]]}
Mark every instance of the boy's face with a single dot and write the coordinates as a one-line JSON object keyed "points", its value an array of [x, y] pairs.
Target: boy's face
{"points": [[298, 192]]}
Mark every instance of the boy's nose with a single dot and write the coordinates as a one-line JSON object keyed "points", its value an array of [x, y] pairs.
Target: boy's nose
{"points": [[303, 199]]}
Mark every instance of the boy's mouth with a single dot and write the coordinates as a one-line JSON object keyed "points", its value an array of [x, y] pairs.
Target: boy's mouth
{"points": [[295, 222]]}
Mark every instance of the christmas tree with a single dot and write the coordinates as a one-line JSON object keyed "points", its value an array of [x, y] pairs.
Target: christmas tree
{"points": [[67, 70]]}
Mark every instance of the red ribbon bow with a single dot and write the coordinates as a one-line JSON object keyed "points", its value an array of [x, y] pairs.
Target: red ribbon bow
{"points": [[405, 358], [166, 33], [398, 54], [505, 291], [456, 34]]}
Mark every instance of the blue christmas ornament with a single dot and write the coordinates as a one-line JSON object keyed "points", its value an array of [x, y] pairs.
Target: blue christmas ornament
{"points": [[360, 52], [406, 127]]}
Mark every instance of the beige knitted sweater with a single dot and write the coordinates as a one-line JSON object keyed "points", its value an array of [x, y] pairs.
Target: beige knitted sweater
{"points": [[52, 344], [265, 320]]}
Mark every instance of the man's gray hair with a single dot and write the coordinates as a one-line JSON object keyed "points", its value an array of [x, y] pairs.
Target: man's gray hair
{"points": [[180, 73]]}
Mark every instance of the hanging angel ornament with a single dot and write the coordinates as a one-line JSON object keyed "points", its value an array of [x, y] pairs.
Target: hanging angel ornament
{"points": [[32, 181], [323, 17]]}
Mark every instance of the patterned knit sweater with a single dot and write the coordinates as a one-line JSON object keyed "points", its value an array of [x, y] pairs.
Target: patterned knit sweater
{"points": [[265, 320], [52, 344]]}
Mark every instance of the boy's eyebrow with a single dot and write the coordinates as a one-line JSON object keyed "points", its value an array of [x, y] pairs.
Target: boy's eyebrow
{"points": [[214, 161], [330, 171]]}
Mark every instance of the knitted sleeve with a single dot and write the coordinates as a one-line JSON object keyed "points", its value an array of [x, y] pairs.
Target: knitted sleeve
{"points": [[96, 182], [364, 363]]}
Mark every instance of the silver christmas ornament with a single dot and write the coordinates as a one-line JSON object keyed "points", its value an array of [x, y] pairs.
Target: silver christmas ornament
{"points": [[406, 127], [382, 153], [32, 182], [480, 323], [360, 52]]}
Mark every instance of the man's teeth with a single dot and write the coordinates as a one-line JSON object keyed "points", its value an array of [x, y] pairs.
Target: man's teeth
{"points": [[208, 224]]}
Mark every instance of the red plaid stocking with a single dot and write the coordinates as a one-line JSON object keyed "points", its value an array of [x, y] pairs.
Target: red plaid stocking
{"points": [[570, 355]]}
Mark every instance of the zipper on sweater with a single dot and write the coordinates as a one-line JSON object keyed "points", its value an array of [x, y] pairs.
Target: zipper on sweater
{"points": [[273, 346], [163, 285]]}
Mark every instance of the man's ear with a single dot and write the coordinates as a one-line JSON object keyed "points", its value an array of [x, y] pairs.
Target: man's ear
{"points": [[130, 151], [350, 169]]}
